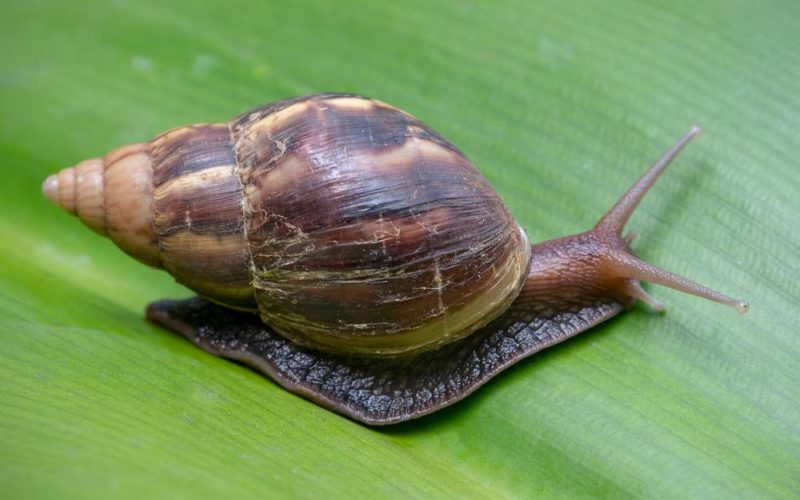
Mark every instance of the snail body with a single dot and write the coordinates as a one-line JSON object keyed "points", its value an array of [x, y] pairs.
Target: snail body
{"points": [[384, 269]]}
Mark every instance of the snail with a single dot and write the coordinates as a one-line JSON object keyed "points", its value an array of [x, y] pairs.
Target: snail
{"points": [[352, 254]]}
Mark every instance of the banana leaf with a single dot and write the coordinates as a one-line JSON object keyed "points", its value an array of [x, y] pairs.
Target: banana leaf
{"points": [[560, 104]]}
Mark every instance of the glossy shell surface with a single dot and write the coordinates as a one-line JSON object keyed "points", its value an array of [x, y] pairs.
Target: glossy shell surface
{"points": [[369, 231], [346, 223]]}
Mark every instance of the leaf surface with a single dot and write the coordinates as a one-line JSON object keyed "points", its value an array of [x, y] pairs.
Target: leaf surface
{"points": [[560, 104]]}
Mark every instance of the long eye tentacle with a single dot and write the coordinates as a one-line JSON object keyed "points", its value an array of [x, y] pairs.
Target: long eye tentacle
{"points": [[622, 263], [615, 219]]}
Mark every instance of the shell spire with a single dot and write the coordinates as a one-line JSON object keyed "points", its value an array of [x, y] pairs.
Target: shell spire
{"points": [[79, 191], [113, 197]]}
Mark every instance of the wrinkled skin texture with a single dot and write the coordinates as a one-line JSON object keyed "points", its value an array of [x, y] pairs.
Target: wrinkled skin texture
{"points": [[375, 391]]}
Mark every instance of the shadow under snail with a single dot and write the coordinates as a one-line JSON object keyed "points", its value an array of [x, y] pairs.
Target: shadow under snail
{"points": [[388, 277]]}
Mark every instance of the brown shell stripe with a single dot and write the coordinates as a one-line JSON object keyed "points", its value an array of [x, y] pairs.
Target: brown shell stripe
{"points": [[197, 201]]}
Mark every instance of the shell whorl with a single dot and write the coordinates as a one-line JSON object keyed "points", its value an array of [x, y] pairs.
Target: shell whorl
{"points": [[348, 224], [369, 232], [197, 204]]}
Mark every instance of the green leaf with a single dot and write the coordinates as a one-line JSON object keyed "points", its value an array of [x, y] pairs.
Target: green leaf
{"points": [[561, 104]]}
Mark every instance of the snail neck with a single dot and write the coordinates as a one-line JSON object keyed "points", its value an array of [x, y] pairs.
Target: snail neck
{"points": [[577, 270]]}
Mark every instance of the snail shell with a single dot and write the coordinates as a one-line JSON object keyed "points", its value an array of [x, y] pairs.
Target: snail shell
{"points": [[349, 225]]}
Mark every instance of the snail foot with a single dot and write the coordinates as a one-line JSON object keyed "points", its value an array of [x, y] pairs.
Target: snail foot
{"points": [[378, 391]]}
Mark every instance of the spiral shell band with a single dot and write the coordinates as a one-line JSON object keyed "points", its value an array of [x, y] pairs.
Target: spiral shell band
{"points": [[198, 207]]}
